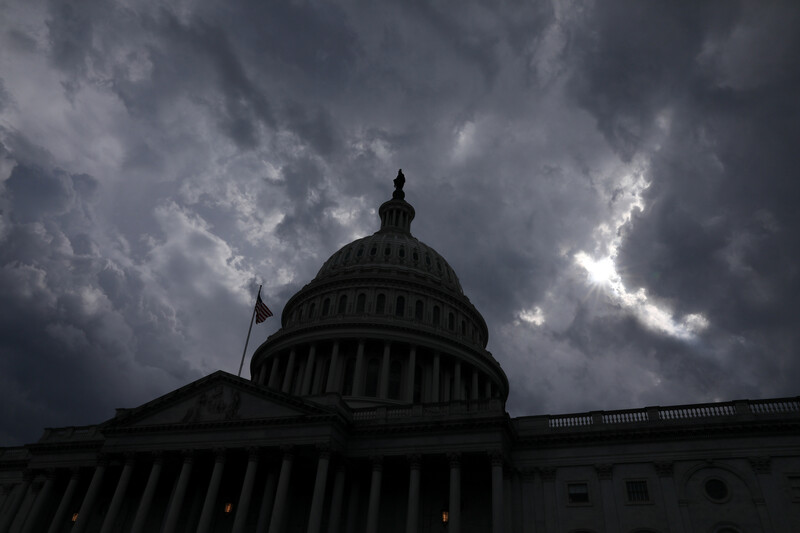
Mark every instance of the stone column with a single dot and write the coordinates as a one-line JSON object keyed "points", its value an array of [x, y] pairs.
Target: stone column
{"points": [[411, 373], [455, 492], [497, 492], [374, 495], [66, 499], [605, 475], [352, 505], [508, 497], [516, 502], [447, 393], [488, 391], [279, 509], [287, 377], [24, 508], [119, 494], [85, 513], [529, 503], [457, 381], [318, 498], [147, 498], [435, 379], [335, 516], [673, 512], [262, 374], [174, 511], [412, 515], [207, 514], [358, 382], [34, 517], [267, 497], [383, 389], [473, 393], [273, 373], [548, 475], [333, 371], [312, 356], [240, 522]]}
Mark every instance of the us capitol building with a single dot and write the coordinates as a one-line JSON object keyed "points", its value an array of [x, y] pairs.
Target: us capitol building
{"points": [[377, 408]]}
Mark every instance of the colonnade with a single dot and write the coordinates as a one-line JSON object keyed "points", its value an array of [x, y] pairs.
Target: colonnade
{"points": [[405, 372], [273, 507]]}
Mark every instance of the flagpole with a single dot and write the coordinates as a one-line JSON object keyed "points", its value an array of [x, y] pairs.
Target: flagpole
{"points": [[248, 333]]}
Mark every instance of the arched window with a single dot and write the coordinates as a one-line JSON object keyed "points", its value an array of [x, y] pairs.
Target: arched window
{"points": [[373, 250], [400, 306], [371, 388], [387, 251], [395, 374], [417, 384], [401, 252], [463, 328], [311, 309], [326, 306], [418, 309], [436, 315], [380, 304], [451, 322], [360, 251], [361, 302], [342, 304]]}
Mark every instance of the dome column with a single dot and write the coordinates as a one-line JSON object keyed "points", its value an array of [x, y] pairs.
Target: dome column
{"points": [[474, 389], [457, 381], [383, 390], [435, 379], [287, 378], [412, 360], [358, 382], [333, 371], [273, 373], [309, 373]]}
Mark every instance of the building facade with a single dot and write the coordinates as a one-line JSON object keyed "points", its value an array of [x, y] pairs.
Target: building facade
{"points": [[376, 407]]}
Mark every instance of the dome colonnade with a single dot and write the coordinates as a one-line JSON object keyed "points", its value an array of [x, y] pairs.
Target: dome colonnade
{"points": [[385, 321]]}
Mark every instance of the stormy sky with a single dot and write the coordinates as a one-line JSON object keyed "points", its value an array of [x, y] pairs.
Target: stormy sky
{"points": [[616, 184]]}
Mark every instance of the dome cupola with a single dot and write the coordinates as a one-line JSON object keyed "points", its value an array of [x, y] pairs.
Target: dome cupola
{"points": [[384, 321]]}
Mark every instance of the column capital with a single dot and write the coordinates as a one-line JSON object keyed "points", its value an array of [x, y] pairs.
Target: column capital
{"points": [[129, 458], [377, 462], [50, 473], [158, 457], [28, 476], [219, 455], [414, 461], [604, 471], [324, 450], [663, 468], [288, 450], [454, 458], [188, 455], [102, 459], [548, 473], [496, 456], [760, 465], [253, 453]]}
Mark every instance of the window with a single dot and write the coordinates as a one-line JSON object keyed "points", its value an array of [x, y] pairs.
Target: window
{"points": [[380, 305], [400, 307], [463, 328], [415, 255], [716, 490], [418, 309], [451, 322], [361, 302], [578, 493], [387, 251], [326, 306], [342, 304], [436, 315], [401, 252], [637, 491], [311, 310], [347, 254], [360, 251], [349, 375], [373, 250]]}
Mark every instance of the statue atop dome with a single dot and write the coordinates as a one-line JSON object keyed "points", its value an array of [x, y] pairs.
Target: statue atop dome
{"points": [[399, 181]]}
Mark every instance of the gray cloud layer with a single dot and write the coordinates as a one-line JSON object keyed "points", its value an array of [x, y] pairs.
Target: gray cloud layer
{"points": [[158, 162]]}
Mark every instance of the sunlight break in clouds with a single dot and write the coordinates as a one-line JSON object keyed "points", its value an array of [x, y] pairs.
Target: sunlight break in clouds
{"points": [[602, 273]]}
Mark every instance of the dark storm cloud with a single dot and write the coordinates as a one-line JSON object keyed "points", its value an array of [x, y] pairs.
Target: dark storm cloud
{"points": [[204, 149]]}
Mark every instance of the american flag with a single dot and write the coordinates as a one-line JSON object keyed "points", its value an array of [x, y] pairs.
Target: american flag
{"points": [[262, 311]]}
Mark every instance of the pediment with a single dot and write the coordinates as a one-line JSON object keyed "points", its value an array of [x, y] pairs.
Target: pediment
{"points": [[220, 397]]}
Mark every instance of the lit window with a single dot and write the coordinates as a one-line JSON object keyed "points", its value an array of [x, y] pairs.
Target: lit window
{"points": [[74, 517], [228, 508], [637, 491], [578, 492]]}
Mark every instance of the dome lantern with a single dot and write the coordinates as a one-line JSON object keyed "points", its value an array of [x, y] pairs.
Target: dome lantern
{"points": [[397, 214]]}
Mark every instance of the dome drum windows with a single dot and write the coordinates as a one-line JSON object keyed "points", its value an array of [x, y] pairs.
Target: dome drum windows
{"points": [[326, 306], [361, 302], [342, 308], [400, 307], [380, 304]]}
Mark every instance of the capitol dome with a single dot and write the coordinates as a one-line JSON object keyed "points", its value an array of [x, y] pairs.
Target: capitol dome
{"points": [[385, 321]]}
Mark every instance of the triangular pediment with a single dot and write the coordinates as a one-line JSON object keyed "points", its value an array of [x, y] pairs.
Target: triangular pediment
{"points": [[219, 397]]}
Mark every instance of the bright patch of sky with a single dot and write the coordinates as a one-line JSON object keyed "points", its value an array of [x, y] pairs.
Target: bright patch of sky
{"points": [[602, 274]]}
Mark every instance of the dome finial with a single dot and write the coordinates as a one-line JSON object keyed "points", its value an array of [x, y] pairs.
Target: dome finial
{"points": [[399, 181]]}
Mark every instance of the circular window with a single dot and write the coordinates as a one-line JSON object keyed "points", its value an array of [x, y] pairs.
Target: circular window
{"points": [[716, 489]]}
